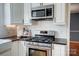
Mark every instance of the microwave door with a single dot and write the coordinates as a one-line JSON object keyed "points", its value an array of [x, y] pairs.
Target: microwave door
{"points": [[41, 13], [38, 13]]}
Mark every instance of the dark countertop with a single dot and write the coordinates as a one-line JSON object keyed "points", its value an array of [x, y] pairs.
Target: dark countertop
{"points": [[61, 41], [13, 38]]}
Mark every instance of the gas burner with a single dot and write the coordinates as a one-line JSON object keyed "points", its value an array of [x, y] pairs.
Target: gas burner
{"points": [[42, 39]]}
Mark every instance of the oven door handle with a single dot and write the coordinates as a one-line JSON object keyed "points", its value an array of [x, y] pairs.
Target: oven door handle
{"points": [[39, 45]]}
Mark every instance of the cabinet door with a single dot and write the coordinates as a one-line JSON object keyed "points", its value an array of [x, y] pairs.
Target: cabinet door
{"points": [[34, 5], [59, 50], [47, 4], [63, 50], [14, 13], [27, 14], [60, 13], [17, 13], [18, 48], [15, 48], [22, 48], [1, 13], [7, 16], [7, 53]]}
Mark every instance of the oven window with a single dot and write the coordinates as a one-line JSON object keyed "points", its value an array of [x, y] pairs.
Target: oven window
{"points": [[37, 52]]}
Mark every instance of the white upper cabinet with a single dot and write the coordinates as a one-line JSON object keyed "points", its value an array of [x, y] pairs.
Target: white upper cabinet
{"points": [[17, 13], [1, 13], [47, 4], [27, 14], [7, 14], [14, 13], [34, 5], [60, 13]]}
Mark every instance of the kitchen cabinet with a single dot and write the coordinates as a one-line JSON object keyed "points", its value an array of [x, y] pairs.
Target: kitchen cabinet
{"points": [[27, 14], [59, 50], [47, 4], [60, 13], [14, 13], [34, 5], [22, 48], [1, 13], [6, 53], [17, 13], [5, 47], [18, 48], [74, 48], [15, 48]]}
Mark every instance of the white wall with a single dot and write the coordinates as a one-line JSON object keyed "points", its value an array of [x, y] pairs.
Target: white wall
{"points": [[6, 31], [20, 30], [12, 30], [3, 31], [61, 31]]}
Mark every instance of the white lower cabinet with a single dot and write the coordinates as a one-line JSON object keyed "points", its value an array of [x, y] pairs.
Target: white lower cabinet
{"points": [[18, 48], [15, 48], [22, 48], [6, 53], [59, 50]]}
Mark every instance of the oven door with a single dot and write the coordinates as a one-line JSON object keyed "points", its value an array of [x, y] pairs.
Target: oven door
{"points": [[39, 51]]}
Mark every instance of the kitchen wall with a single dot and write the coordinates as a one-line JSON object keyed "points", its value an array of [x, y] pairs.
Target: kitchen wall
{"points": [[8, 30], [12, 30], [61, 31], [20, 30], [3, 31]]}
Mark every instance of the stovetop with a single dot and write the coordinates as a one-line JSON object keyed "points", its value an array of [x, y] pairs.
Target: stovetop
{"points": [[41, 39]]}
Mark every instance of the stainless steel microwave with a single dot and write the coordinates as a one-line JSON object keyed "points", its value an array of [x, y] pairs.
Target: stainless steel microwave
{"points": [[43, 12]]}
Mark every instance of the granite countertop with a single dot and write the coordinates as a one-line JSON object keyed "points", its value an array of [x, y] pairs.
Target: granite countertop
{"points": [[57, 40], [61, 41], [12, 38], [4, 41]]}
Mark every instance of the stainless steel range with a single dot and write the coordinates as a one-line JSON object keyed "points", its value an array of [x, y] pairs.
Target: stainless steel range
{"points": [[41, 44]]}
